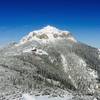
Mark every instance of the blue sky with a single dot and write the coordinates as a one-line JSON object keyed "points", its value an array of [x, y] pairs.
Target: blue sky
{"points": [[80, 17]]}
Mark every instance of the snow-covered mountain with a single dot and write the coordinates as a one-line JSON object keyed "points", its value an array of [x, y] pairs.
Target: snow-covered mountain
{"points": [[50, 62], [47, 34]]}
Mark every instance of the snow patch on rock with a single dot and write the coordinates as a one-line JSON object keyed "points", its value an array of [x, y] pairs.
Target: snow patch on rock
{"points": [[72, 39], [27, 50], [35, 51], [41, 52]]}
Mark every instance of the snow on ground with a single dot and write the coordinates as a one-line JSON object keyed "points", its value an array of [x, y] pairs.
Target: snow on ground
{"points": [[82, 62], [99, 53], [64, 62], [93, 73], [27, 50], [41, 52], [29, 97], [35, 51]]}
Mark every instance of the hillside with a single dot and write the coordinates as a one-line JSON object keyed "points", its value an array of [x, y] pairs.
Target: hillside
{"points": [[49, 61]]}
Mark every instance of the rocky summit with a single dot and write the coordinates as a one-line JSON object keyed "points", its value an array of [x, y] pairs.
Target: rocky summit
{"points": [[50, 62]]}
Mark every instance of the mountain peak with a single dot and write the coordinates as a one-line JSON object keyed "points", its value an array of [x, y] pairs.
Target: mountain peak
{"points": [[47, 34], [48, 29]]}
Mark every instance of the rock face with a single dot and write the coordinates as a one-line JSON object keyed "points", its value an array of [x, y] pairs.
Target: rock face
{"points": [[49, 58]]}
